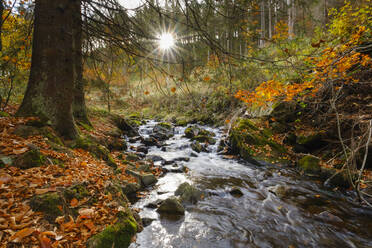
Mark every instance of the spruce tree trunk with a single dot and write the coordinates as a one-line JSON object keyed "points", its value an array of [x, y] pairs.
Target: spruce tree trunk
{"points": [[51, 83], [78, 106], [1, 23]]}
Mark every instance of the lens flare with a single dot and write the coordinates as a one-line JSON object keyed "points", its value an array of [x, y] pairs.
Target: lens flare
{"points": [[166, 41]]}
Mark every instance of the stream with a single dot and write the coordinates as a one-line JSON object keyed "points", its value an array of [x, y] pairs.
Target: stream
{"points": [[278, 208]]}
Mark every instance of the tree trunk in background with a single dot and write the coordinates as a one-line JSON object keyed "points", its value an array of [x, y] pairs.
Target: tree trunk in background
{"points": [[290, 4], [78, 106], [262, 41], [270, 27], [1, 23], [51, 83]]}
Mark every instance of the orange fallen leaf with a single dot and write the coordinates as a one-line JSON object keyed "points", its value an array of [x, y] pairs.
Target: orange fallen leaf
{"points": [[317, 196], [18, 236], [74, 202]]}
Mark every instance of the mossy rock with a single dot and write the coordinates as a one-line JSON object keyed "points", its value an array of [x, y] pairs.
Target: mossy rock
{"points": [[188, 193], [197, 147], [78, 191], [253, 144], [181, 122], [204, 139], [194, 131], [311, 142], [95, 149], [171, 206], [118, 235], [309, 164], [165, 125], [132, 157], [30, 159], [117, 144], [115, 188], [49, 204]]}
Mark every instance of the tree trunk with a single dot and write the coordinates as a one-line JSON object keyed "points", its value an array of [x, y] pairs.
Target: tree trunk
{"points": [[51, 83], [78, 106], [1, 23], [262, 39], [291, 12], [270, 22]]}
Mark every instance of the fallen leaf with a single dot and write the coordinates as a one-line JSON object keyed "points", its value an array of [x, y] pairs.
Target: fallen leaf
{"points": [[18, 236], [74, 202], [20, 151]]}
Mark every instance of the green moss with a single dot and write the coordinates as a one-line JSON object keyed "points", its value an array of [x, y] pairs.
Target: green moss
{"points": [[254, 144], [204, 138], [48, 204], [85, 126], [118, 235], [309, 164], [78, 191], [95, 149], [135, 116], [165, 125], [30, 159], [181, 122], [4, 114]]}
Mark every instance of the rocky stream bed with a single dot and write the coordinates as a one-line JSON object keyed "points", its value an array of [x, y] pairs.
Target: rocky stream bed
{"points": [[207, 199]]}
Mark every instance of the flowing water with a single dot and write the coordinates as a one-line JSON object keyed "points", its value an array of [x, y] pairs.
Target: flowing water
{"points": [[279, 207]]}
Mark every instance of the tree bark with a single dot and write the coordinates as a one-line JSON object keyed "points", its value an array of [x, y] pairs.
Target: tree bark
{"points": [[262, 38], [1, 23], [78, 106], [51, 83]]}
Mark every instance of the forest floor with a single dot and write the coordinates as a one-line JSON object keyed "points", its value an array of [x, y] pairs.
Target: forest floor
{"points": [[52, 195]]}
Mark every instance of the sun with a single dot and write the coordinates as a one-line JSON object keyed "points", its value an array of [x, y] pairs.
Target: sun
{"points": [[166, 41]]}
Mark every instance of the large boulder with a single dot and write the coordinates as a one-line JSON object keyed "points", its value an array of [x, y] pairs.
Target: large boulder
{"points": [[171, 206], [194, 130], [188, 193], [197, 147]]}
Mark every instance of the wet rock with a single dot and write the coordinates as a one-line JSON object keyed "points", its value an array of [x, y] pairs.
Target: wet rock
{"points": [[154, 204], [33, 158], [155, 158], [142, 149], [278, 127], [148, 179], [279, 190], [236, 192], [327, 216], [309, 164], [163, 149], [180, 159], [188, 193], [150, 141], [197, 147], [193, 154], [135, 139], [284, 112], [290, 139], [173, 168], [147, 221], [163, 131], [171, 206], [48, 204], [130, 189]]}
